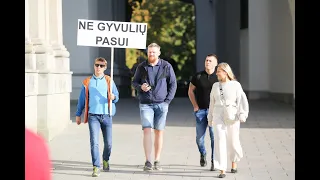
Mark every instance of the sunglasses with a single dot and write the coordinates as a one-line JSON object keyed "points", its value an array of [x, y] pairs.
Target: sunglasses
{"points": [[101, 65]]}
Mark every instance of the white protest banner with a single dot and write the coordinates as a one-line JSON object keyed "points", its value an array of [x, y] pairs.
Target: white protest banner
{"points": [[112, 34]]}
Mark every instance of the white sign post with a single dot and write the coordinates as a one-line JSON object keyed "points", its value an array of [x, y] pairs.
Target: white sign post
{"points": [[113, 34]]}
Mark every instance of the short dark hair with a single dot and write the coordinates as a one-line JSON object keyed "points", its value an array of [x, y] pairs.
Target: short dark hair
{"points": [[214, 55]]}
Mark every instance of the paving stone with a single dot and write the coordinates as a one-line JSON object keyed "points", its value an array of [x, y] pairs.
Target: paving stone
{"points": [[267, 138]]}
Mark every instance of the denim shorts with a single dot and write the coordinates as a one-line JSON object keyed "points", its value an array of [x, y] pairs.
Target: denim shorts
{"points": [[154, 115]]}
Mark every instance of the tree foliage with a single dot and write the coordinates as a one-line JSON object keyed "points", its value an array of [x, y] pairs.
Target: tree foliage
{"points": [[171, 24]]}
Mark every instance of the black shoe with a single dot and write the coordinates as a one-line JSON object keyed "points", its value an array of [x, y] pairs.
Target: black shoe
{"points": [[147, 166], [157, 166], [212, 167], [203, 160], [222, 176], [234, 170]]}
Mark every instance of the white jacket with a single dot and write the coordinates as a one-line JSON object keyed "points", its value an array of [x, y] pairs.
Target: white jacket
{"points": [[233, 94]]}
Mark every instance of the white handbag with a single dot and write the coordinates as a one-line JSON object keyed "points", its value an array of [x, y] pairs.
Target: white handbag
{"points": [[230, 111]]}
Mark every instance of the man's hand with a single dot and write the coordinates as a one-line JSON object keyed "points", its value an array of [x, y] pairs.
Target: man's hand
{"points": [[196, 108], [113, 97], [145, 87], [78, 120]]}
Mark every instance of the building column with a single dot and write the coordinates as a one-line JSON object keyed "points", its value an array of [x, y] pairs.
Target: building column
{"points": [[38, 35], [44, 55], [292, 10], [31, 77], [208, 33], [228, 33], [54, 80], [258, 46]]}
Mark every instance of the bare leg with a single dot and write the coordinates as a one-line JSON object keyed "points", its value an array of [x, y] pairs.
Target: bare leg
{"points": [[234, 165], [147, 143], [158, 140]]}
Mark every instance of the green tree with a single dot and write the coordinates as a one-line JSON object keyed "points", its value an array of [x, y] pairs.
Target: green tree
{"points": [[171, 24]]}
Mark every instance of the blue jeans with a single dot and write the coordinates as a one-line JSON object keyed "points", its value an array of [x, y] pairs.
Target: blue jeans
{"points": [[154, 115], [97, 122], [201, 127]]}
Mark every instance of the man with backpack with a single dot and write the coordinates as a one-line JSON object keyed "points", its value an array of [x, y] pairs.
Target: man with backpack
{"points": [[156, 84], [199, 95], [98, 97]]}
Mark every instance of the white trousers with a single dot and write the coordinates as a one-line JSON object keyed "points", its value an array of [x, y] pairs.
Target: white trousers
{"points": [[226, 139]]}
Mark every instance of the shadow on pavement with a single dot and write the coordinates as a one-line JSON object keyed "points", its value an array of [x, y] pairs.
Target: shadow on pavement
{"points": [[169, 169], [58, 164], [73, 174], [263, 114]]}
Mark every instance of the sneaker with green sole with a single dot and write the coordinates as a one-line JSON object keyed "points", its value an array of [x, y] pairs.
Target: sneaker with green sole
{"points": [[96, 171], [106, 165]]}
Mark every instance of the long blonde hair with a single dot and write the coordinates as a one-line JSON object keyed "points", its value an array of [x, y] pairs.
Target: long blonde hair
{"points": [[225, 66]]}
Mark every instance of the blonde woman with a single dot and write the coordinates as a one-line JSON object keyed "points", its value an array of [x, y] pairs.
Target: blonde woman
{"points": [[226, 134]]}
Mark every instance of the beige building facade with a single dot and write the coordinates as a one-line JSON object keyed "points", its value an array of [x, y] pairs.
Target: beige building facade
{"points": [[267, 50], [47, 71]]}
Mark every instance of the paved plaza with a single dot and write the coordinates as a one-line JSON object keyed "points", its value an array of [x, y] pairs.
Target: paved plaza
{"points": [[268, 142]]}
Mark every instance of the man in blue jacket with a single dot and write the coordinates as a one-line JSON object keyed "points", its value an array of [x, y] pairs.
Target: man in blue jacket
{"points": [[156, 84], [96, 92]]}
